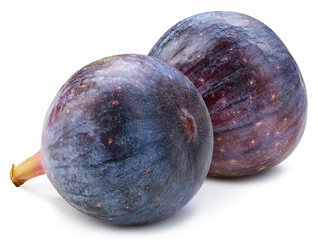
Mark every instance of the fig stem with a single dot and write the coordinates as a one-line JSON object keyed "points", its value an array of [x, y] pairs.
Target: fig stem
{"points": [[28, 169]]}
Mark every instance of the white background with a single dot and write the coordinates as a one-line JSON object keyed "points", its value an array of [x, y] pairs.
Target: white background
{"points": [[43, 43]]}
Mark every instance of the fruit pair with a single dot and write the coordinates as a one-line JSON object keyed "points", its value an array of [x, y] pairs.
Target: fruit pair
{"points": [[128, 139]]}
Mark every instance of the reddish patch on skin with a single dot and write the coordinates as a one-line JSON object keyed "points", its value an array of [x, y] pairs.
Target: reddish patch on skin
{"points": [[114, 102], [190, 126], [189, 123]]}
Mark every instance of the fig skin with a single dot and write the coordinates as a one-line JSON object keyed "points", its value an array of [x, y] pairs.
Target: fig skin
{"points": [[128, 140], [250, 83]]}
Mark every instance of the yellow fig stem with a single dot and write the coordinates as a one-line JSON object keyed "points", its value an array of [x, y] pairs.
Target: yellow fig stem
{"points": [[28, 169]]}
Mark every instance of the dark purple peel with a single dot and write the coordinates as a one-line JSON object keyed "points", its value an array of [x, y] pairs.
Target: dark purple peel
{"points": [[127, 140], [250, 83]]}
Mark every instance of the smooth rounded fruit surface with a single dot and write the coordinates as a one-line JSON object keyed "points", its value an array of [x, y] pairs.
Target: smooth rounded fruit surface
{"points": [[128, 140], [250, 83]]}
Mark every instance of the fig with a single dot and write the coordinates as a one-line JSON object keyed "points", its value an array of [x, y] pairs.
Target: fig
{"points": [[127, 139], [250, 83]]}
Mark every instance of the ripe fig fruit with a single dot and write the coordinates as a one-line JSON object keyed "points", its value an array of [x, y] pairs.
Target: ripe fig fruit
{"points": [[250, 83], [127, 139]]}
